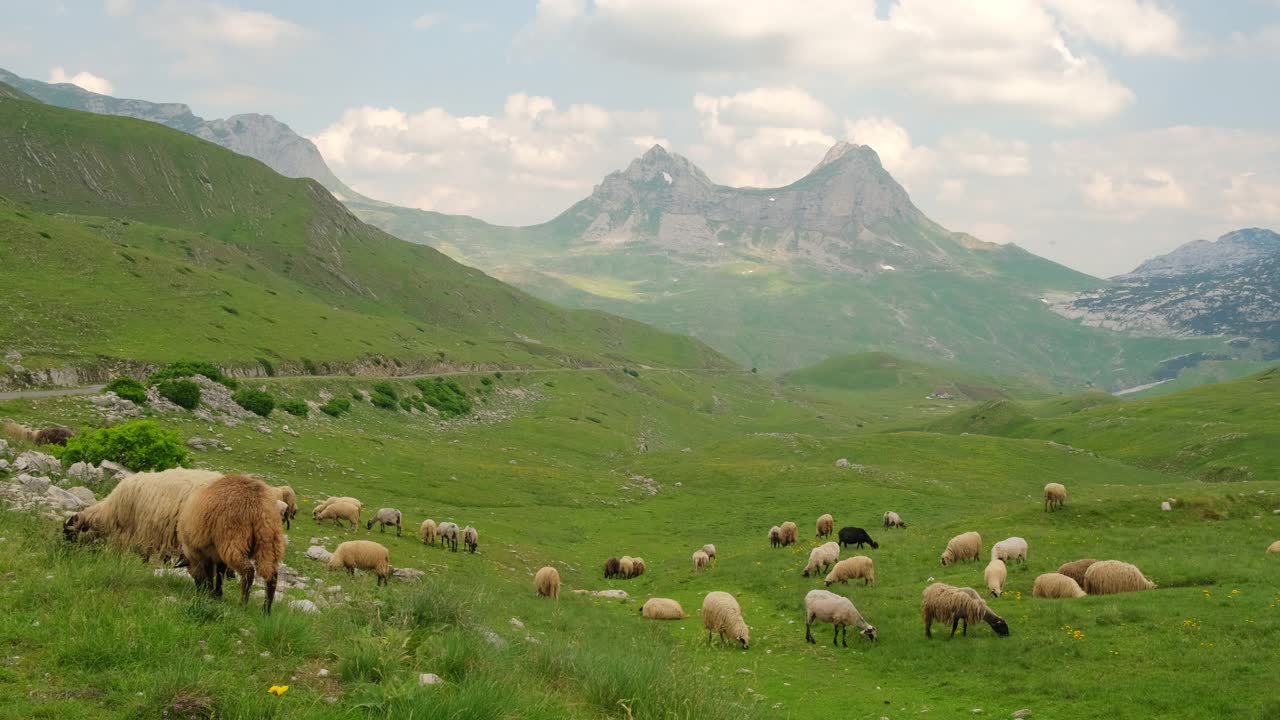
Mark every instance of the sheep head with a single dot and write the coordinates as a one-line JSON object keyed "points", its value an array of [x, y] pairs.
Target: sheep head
{"points": [[874, 545], [869, 632], [997, 623], [74, 525]]}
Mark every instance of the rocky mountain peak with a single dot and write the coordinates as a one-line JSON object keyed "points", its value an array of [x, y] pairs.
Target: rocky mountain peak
{"points": [[1235, 249], [657, 163]]}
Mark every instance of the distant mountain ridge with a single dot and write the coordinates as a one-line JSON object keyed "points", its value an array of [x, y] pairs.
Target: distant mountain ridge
{"points": [[1203, 256]]}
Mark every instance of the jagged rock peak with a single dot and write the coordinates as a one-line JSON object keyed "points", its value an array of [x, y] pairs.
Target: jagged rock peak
{"points": [[844, 149], [658, 162], [1236, 248]]}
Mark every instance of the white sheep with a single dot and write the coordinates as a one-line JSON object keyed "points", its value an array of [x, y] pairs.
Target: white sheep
{"points": [[892, 519], [945, 603], [858, 566], [339, 511], [470, 538], [385, 517], [722, 614], [700, 561], [996, 574], [448, 535], [662, 609], [1055, 496], [837, 610], [965, 546], [547, 582], [1010, 549], [822, 557], [710, 550]]}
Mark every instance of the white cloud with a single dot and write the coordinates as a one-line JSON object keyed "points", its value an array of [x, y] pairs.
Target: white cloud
{"points": [[84, 79], [1134, 27], [427, 21], [978, 152], [197, 26], [1147, 189], [763, 137], [117, 8]]}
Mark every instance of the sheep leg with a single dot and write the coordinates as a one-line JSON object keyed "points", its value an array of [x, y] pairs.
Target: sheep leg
{"points": [[808, 631], [271, 595], [835, 637], [955, 624], [219, 572], [398, 528], [246, 584]]}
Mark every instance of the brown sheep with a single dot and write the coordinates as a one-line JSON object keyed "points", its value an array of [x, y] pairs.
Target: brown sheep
{"points": [[1055, 496], [775, 537], [612, 568], [365, 555], [547, 582], [790, 533], [825, 525], [232, 523], [53, 436], [1056, 585], [141, 513], [1076, 569], [942, 603], [1113, 576]]}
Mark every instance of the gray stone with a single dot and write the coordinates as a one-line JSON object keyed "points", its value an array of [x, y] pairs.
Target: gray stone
{"points": [[408, 574], [517, 623], [425, 679], [34, 484], [842, 463], [85, 494], [4, 447], [305, 606], [315, 552], [4, 465], [114, 470], [1019, 714], [32, 461]]}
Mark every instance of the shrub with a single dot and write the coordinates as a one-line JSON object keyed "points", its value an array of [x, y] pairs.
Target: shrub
{"points": [[297, 408], [498, 375], [267, 367], [336, 407], [310, 367], [257, 402], [446, 396], [187, 368], [141, 445], [183, 393], [355, 395], [486, 381], [384, 401], [129, 389], [632, 373], [385, 388]]}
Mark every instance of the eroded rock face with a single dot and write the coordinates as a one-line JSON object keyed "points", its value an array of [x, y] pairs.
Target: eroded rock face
{"points": [[37, 462]]}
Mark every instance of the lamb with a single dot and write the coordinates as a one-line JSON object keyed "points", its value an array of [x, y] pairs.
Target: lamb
{"points": [[789, 533], [547, 582], [141, 513], [663, 609], [612, 568], [365, 555], [470, 539], [282, 508], [963, 547], [331, 500], [823, 556], [858, 566], [232, 523], [1055, 496], [449, 536], [996, 574], [942, 603], [339, 511], [428, 532], [775, 537], [1076, 569], [1014, 548], [710, 550], [637, 567], [385, 517], [286, 495], [825, 525], [722, 614], [892, 519], [1113, 576], [1056, 585], [700, 561], [856, 536], [837, 610], [1273, 548], [626, 567]]}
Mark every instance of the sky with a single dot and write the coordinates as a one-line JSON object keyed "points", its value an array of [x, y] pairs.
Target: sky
{"points": [[1096, 133]]}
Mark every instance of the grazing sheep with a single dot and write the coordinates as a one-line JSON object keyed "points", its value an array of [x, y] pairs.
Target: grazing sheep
{"points": [[1055, 496], [141, 513], [789, 533], [449, 536], [315, 512], [1113, 576], [996, 574], [1056, 585], [775, 537], [1273, 548], [946, 603], [339, 511], [283, 509], [1014, 548], [710, 550], [837, 610], [286, 495], [637, 567], [612, 568], [19, 433], [961, 548], [365, 555], [825, 525], [626, 567], [892, 519], [428, 532], [547, 582], [232, 523], [722, 614], [823, 556], [858, 566], [700, 561], [385, 517], [856, 536], [663, 609], [53, 436], [470, 539], [1076, 569]]}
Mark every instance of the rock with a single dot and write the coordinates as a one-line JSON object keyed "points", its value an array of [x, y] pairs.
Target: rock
{"points": [[4, 447], [84, 472], [1019, 714], [1166, 506], [842, 463], [33, 484], [333, 589], [322, 672], [493, 638], [114, 470], [315, 552], [408, 574], [305, 606], [4, 465], [263, 429], [85, 494], [612, 594], [429, 679], [32, 461], [13, 356], [517, 623]]}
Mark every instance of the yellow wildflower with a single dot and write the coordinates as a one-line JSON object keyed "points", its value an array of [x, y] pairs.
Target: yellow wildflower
{"points": [[278, 690]]}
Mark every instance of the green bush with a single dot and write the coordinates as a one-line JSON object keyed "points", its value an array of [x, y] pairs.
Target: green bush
{"points": [[336, 407], [310, 367], [267, 367], [183, 393], [406, 403], [486, 381], [632, 373], [355, 395], [446, 396], [188, 368], [141, 445], [498, 375], [384, 401], [257, 402], [385, 388], [129, 389], [297, 408]]}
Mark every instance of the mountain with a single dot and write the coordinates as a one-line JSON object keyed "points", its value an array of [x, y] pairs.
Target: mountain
{"points": [[126, 240]]}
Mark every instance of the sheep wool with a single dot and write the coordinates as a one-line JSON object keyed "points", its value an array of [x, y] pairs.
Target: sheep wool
{"points": [[823, 557], [775, 537], [722, 615], [789, 532], [710, 550], [141, 513], [946, 603], [837, 610], [286, 495], [1056, 585], [700, 561], [1273, 548], [963, 547], [612, 568], [339, 511], [333, 499], [1076, 569], [663, 609], [449, 535], [1010, 549], [547, 582], [1113, 576], [385, 517], [232, 523], [825, 525], [362, 555], [428, 532], [892, 519], [626, 567], [996, 574], [637, 566], [1055, 496], [858, 566], [470, 538]]}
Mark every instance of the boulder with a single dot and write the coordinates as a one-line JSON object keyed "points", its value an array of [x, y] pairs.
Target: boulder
{"points": [[33, 484], [65, 499], [425, 679], [85, 494], [842, 463], [4, 465], [408, 574], [305, 606], [32, 461], [113, 470], [84, 472], [315, 552], [4, 447]]}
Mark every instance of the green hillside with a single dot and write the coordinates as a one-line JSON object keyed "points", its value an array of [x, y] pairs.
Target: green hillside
{"points": [[872, 372]]}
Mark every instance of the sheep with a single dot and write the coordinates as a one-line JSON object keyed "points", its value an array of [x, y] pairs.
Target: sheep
{"points": [[53, 436], [892, 520], [385, 517], [1076, 569], [789, 533], [996, 574], [626, 567], [700, 561], [710, 550], [637, 567], [775, 537], [823, 556], [470, 539], [335, 499], [19, 433], [547, 582], [1056, 585], [232, 523], [1014, 548], [449, 536], [722, 614], [286, 495], [825, 525], [963, 547], [282, 508], [612, 568], [1113, 576], [1273, 548], [428, 532], [339, 511], [663, 609], [365, 555], [856, 536], [858, 566], [837, 610], [141, 513], [1055, 496], [942, 603]]}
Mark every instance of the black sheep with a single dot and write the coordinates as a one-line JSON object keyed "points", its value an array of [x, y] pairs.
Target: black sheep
{"points": [[856, 536]]}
